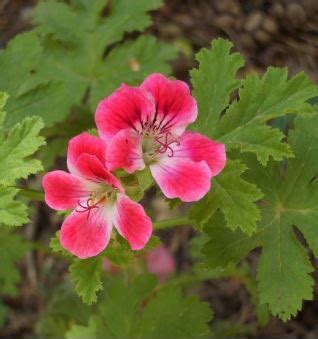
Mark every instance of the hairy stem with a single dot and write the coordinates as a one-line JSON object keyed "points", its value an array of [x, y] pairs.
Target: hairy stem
{"points": [[180, 221]]}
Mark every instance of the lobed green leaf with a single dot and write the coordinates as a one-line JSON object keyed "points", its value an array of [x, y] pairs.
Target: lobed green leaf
{"points": [[213, 82], [234, 196], [290, 200], [86, 276]]}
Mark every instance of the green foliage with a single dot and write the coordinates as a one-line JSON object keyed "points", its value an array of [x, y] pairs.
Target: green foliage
{"points": [[119, 253], [234, 196], [243, 126], [220, 258], [56, 246], [64, 309], [22, 141], [12, 248], [64, 58], [81, 332], [25, 51], [138, 311], [262, 99], [225, 245], [144, 178], [16, 146], [213, 83], [177, 317], [86, 276], [12, 212], [290, 199]]}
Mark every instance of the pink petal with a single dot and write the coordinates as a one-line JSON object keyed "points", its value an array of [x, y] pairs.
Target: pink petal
{"points": [[86, 237], [128, 107], [182, 178], [160, 262], [198, 147], [124, 151], [175, 106], [84, 143], [132, 222], [92, 169], [63, 190]]}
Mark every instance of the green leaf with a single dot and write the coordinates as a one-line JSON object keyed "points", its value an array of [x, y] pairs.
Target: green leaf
{"points": [[24, 50], [85, 274], [138, 311], [81, 332], [144, 178], [119, 309], [119, 253], [170, 315], [290, 200], [56, 246], [3, 99], [285, 283], [295, 204], [234, 196], [124, 16], [68, 56], [244, 124], [16, 147], [213, 82], [62, 310], [131, 62], [260, 99], [12, 248], [12, 212], [225, 246], [22, 141]]}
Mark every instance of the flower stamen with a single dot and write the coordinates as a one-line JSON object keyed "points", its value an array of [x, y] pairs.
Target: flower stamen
{"points": [[88, 206], [166, 145]]}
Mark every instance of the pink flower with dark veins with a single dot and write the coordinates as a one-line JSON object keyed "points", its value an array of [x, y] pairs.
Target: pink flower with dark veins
{"points": [[98, 200], [145, 126]]}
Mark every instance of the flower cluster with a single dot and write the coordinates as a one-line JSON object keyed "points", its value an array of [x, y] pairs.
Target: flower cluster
{"points": [[138, 127]]}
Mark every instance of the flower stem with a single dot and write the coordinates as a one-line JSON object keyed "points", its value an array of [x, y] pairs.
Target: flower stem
{"points": [[180, 221], [31, 193]]}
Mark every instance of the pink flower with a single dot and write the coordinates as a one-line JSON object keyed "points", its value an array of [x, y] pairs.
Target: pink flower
{"points": [[145, 126], [160, 262], [98, 200]]}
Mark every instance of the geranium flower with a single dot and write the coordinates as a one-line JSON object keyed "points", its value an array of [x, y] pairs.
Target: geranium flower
{"points": [[145, 126], [98, 200]]}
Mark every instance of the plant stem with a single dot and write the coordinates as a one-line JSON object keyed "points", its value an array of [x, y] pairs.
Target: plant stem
{"points": [[31, 193], [180, 221]]}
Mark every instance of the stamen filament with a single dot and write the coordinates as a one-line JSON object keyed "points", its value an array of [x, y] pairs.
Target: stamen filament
{"points": [[88, 206], [165, 146]]}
